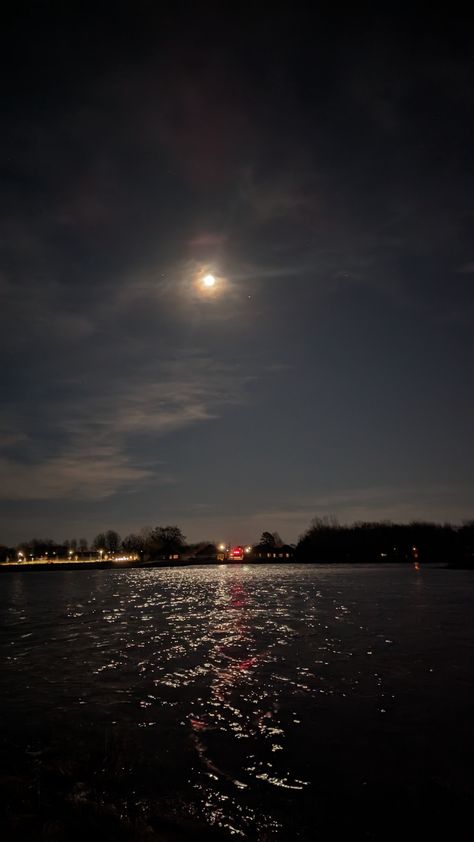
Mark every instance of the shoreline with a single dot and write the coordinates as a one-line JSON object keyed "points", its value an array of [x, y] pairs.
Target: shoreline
{"points": [[49, 566]]}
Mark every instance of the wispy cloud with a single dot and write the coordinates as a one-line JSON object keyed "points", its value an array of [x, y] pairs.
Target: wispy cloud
{"points": [[83, 471], [95, 454], [275, 198], [207, 239], [467, 269]]}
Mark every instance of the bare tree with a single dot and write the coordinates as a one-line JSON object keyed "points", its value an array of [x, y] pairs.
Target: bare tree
{"points": [[99, 542], [112, 541], [133, 544], [267, 540], [166, 540], [277, 539]]}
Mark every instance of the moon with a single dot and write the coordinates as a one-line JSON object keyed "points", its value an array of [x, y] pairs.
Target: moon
{"points": [[209, 281]]}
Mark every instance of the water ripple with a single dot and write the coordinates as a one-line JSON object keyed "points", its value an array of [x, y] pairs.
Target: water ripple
{"points": [[227, 684]]}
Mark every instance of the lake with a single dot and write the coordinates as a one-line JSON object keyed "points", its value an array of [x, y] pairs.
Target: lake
{"points": [[261, 702]]}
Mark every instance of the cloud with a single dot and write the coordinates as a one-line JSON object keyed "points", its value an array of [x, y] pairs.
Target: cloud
{"points": [[208, 240], [162, 160], [277, 197], [85, 471], [467, 269], [98, 437], [37, 312], [10, 438]]}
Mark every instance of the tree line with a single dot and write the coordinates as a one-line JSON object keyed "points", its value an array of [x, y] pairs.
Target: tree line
{"points": [[148, 543], [328, 541], [325, 541]]}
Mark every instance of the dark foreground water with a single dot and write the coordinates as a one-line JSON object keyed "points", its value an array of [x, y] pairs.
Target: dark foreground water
{"points": [[263, 702]]}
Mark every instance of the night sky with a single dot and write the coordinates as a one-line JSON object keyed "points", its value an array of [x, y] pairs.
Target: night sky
{"points": [[320, 166]]}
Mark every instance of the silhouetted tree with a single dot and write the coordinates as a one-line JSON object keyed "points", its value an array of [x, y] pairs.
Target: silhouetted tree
{"points": [[277, 540], [466, 542], [267, 541], [6, 554], [38, 547], [204, 549], [134, 544], [99, 542], [165, 540], [378, 542], [112, 541]]}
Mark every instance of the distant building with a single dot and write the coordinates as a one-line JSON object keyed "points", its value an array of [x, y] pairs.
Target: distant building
{"points": [[284, 553], [207, 551]]}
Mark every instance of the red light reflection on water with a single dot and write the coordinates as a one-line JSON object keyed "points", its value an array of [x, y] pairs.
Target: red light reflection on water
{"points": [[230, 667]]}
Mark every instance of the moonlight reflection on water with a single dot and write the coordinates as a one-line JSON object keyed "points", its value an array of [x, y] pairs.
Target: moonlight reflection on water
{"points": [[254, 700]]}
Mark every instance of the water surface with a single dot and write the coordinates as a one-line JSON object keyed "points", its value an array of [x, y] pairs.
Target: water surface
{"points": [[268, 702]]}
